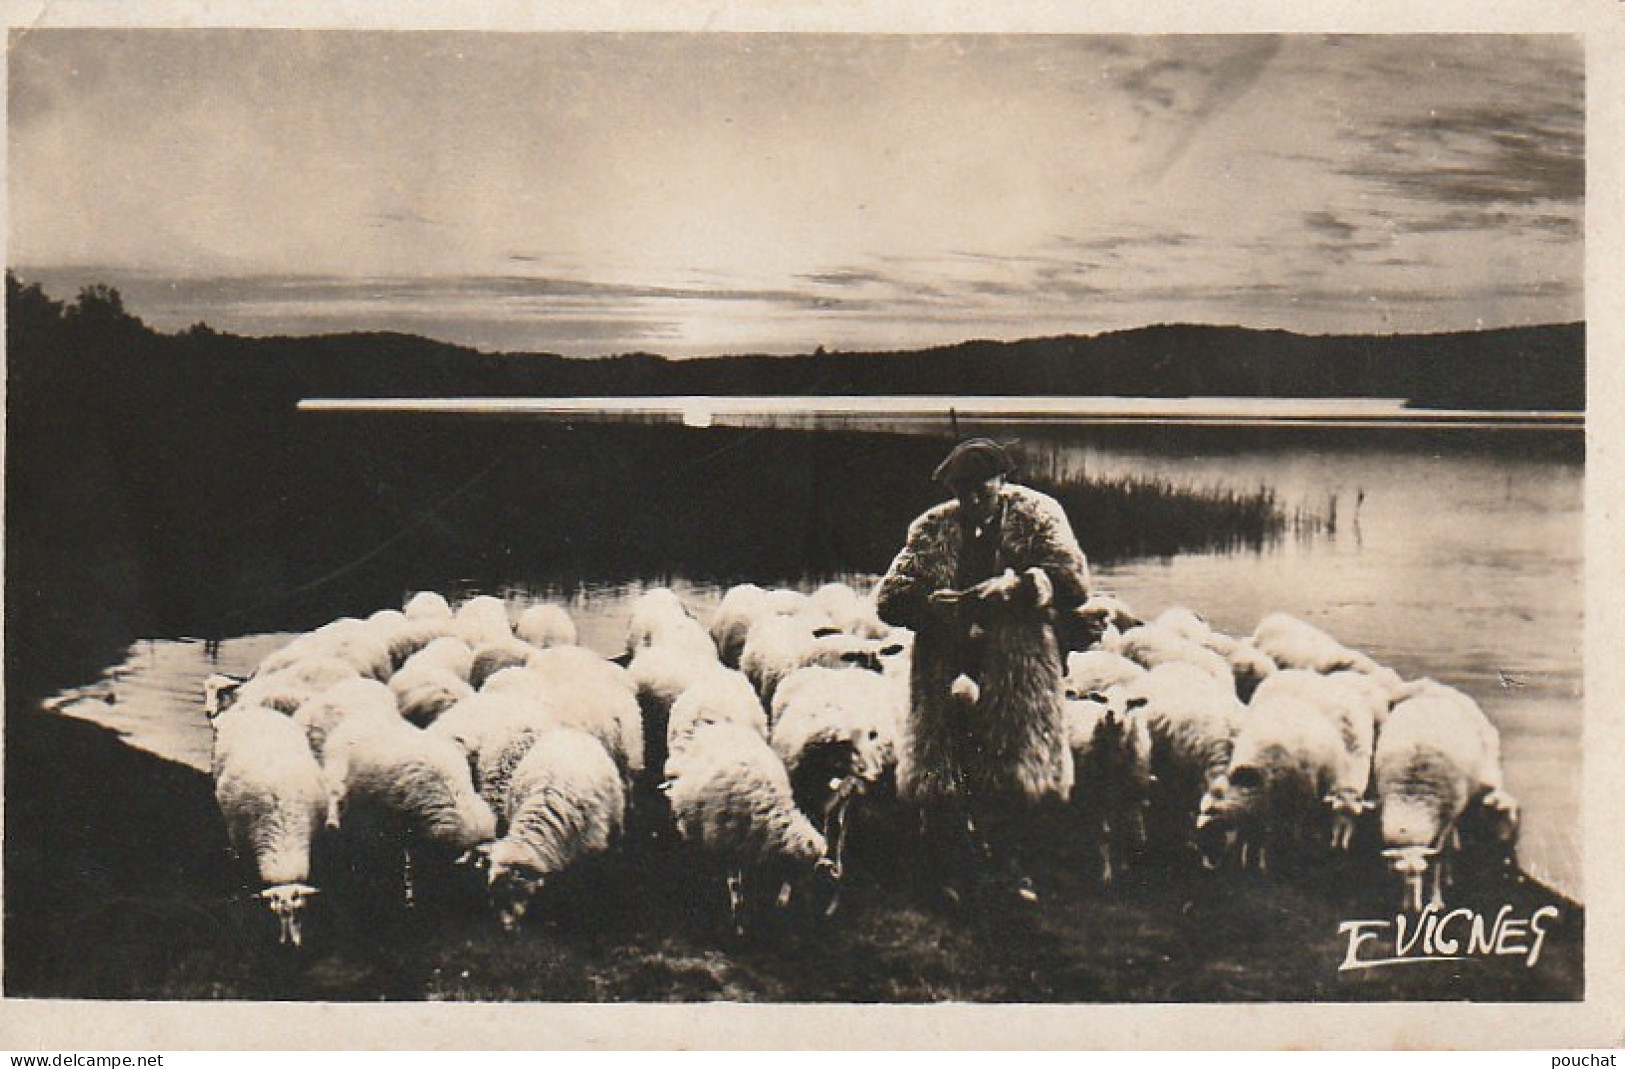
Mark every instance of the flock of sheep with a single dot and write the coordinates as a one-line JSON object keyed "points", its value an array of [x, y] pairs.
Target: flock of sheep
{"points": [[1279, 742], [476, 736]]}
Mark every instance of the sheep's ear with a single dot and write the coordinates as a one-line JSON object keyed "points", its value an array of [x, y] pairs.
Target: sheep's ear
{"points": [[1367, 805]]}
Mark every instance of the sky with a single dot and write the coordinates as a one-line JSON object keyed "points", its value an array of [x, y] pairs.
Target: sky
{"points": [[595, 193]]}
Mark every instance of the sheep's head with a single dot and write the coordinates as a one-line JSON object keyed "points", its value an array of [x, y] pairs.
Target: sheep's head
{"points": [[1410, 864], [220, 693], [801, 844], [287, 902], [871, 754], [1217, 820], [1250, 666], [1347, 807], [512, 880]]}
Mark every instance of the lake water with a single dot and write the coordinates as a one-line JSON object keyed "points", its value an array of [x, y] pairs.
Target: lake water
{"points": [[1453, 555]]}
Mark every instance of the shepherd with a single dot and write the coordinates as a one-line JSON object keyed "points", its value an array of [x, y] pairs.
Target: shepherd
{"points": [[980, 580]]}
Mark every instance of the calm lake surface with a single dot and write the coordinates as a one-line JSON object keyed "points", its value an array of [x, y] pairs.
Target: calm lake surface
{"points": [[1454, 555]]}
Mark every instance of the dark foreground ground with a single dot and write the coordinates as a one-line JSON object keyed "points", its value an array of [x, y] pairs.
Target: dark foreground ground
{"points": [[118, 885]]}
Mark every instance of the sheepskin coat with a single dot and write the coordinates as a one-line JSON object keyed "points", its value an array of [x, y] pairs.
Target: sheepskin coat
{"points": [[1012, 746]]}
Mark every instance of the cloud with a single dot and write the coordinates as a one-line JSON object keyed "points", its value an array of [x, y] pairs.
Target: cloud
{"points": [[1184, 84], [1481, 156], [845, 277], [1328, 224]]}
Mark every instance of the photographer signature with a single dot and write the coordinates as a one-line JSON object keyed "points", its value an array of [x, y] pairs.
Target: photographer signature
{"points": [[1440, 935]]}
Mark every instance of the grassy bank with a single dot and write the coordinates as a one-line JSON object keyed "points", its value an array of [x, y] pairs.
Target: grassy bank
{"points": [[118, 885]]}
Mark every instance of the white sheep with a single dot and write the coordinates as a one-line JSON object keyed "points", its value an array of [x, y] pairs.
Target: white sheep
{"points": [[659, 618], [564, 802], [347, 639], [1284, 763], [651, 610], [1109, 610], [481, 620], [740, 607], [730, 621], [1112, 778], [1093, 672], [413, 636], [850, 611], [660, 675], [424, 691], [1386, 682], [385, 620], [1193, 717], [721, 696], [269, 788], [545, 624], [427, 605], [1437, 757], [479, 722], [385, 624], [1349, 702], [448, 652], [1185, 622], [587, 692], [686, 634], [1292, 643], [409, 811], [836, 732], [322, 715], [777, 645], [732, 801], [1249, 665], [492, 657], [564, 662], [512, 723], [1151, 645], [284, 689], [418, 781], [1089, 626]]}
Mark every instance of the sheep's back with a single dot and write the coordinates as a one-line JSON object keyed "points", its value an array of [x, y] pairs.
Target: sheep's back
{"points": [[546, 624], [566, 799], [732, 794]]}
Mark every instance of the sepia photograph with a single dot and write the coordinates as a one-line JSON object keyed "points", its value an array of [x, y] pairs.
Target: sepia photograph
{"points": [[532, 515]]}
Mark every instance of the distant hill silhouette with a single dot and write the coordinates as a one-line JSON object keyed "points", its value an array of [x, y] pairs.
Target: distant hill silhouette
{"points": [[1523, 368]]}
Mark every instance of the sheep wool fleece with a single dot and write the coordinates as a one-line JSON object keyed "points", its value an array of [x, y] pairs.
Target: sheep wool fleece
{"points": [[1013, 745]]}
